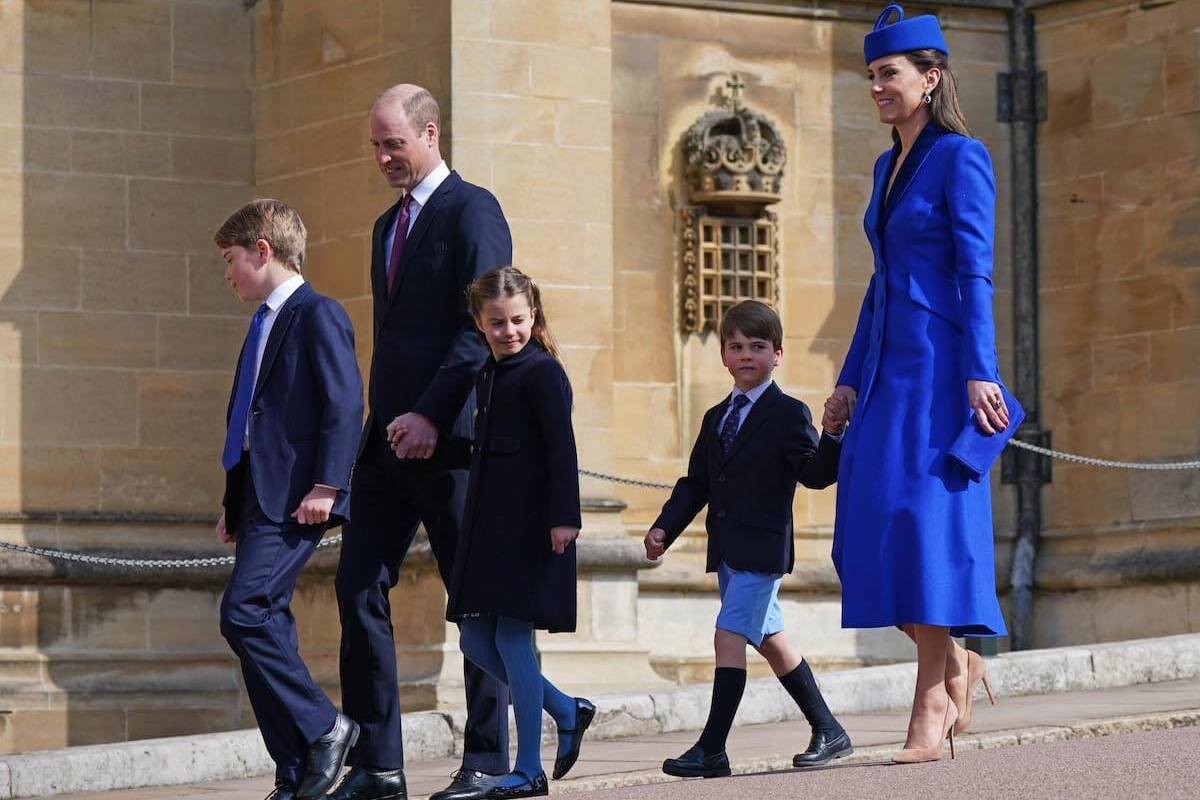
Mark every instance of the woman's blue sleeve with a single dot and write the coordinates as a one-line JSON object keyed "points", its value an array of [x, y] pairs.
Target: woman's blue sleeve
{"points": [[851, 374], [971, 198]]}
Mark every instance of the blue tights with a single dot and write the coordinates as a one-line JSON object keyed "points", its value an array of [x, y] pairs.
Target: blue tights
{"points": [[503, 648]]}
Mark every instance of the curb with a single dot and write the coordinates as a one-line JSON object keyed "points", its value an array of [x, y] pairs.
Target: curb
{"points": [[433, 734]]}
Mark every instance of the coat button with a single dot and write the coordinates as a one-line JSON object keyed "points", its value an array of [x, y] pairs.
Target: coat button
{"points": [[721, 514], [720, 479]]}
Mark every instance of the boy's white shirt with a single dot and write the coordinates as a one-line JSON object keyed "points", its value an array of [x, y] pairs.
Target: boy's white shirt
{"points": [[752, 395], [420, 196], [275, 301]]}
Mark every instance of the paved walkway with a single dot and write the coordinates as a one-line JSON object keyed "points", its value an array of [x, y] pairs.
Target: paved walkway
{"points": [[1145, 764]]}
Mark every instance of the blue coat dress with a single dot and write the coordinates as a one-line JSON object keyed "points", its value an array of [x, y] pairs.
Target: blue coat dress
{"points": [[913, 535]]}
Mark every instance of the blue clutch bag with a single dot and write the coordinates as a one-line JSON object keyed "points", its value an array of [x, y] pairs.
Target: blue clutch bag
{"points": [[975, 450]]}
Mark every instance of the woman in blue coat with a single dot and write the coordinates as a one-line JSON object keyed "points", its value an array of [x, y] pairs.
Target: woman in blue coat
{"points": [[913, 536]]}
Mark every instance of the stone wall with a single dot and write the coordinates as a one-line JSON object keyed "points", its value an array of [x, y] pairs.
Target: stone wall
{"points": [[1119, 228], [670, 65]]}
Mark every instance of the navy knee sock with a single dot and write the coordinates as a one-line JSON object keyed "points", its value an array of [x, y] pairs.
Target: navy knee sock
{"points": [[728, 685], [802, 686], [477, 640], [530, 693]]}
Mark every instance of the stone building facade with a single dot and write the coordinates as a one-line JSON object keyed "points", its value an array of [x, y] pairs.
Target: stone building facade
{"points": [[130, 128]]}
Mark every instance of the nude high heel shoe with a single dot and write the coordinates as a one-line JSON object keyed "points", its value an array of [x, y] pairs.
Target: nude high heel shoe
{"points": [[917, 755], [976, 672]]}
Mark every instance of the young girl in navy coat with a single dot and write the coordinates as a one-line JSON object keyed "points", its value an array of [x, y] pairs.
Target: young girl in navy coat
{"points": [[514, 568]]}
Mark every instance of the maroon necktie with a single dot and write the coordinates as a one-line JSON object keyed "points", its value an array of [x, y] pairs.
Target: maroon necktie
{"points": [[398, 239]]}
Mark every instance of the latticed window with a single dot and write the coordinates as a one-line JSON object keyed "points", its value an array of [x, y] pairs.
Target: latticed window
{"points": [[737, 262]]}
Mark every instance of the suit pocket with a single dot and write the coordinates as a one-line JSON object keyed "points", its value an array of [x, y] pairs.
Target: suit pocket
{"points": [[504, 445], [765, 522]]}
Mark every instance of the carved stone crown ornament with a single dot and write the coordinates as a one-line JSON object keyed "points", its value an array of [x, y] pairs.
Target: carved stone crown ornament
{"points": [[729, 244]]}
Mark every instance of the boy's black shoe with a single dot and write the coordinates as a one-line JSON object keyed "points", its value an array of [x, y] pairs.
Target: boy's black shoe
{"points": [[326, 757], [468, 784], [282, 791], [584, 713], [823, 747], [363, 784], [694, 764], [536, 786]]}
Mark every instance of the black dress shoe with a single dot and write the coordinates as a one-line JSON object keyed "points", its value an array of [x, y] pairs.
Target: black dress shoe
{"points": [[326, 757], [536, 786], [823, 747], [694, 764], [282, 791], [363, 784], [585, 712], [467, 784]]}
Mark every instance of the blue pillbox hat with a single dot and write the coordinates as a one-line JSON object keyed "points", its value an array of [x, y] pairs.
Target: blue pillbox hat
{"points": [[903, 35]]}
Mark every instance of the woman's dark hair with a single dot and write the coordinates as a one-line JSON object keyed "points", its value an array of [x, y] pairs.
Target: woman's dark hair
{"points": [[943, 105], [510, 282]]}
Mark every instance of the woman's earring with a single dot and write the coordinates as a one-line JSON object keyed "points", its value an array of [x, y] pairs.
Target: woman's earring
{"points": [[928, 98]]}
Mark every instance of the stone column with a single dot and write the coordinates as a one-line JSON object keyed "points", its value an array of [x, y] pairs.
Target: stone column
{"points": [[531, 95]]}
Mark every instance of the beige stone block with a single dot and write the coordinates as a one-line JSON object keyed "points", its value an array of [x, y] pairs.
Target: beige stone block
{"points": [[810, 366], [488, 118], [644, 345], [38, 478], [96, 339], [855, 260], [1141, 612], [1133, 81], [1081, 496], [18, 337], [821, 310], [590, 370], [207, 290], [635, 74], [471, 19], [598, 253], [183, 409], [80, 102], [39, 277], [74, 211], [335, 142], [118, 280], [276, 156], [1120, 245], [207, 159], [426, 64], [571, 73], [491, 68], [180, 215], [409, 24], [1173, 241], [1182, 75], [18, 618], [120, 153], [12, 209], [584, 124], [210, 715], [180, 481], [72, 406], [57, 35], [549, 251], [1064, 618], [1070, 199], [473, 160], [1175, 356], [214, 43], [132, 39], [340, 268], [48, 730], [355, 195], [362, 314], [200, 343], [180, 621], [1088, 420], [1132, 306], [272, 110], [632, 420], [318, 98], [1185, 310], [1160, 422], [587, 306], [305, 193], [574, 23], [12, 99], [558, 173], [197, 110]]}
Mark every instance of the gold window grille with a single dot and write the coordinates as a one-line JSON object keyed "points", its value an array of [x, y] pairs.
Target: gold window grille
{"points": [[734, 259]]}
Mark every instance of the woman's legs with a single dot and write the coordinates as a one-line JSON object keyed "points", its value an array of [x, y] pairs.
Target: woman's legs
{"points": [[530, 693], [930, 700], [956, 667]]}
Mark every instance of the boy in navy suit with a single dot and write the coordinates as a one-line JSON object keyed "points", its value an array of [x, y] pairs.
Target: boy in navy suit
{"points": [[752, 449], [293, 422]]}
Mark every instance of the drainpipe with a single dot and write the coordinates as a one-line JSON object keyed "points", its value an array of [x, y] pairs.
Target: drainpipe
{"points": [[1026, 92]]}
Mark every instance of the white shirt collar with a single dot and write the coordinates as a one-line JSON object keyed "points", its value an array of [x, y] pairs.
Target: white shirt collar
{"points": [[425, 189], [754, 393], [283, 291]]}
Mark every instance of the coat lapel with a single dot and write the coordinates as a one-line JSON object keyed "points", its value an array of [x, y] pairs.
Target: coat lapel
{"points": [[758, 413], [425, 218], [922, 147], [278, 331]]}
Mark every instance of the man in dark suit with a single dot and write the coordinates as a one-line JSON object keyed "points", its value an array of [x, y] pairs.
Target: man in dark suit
{"points": [[412, 461], [292, 423]]}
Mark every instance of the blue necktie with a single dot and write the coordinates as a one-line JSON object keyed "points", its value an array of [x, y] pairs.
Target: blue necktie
{"points": [[730, 428], [236, 431]]}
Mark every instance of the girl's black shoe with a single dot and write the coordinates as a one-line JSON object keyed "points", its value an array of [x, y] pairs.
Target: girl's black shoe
{"points": [[584, 713], [536, 786]]}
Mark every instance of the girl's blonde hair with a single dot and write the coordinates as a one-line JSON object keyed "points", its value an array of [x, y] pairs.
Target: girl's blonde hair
{"points": [[510, 282]]}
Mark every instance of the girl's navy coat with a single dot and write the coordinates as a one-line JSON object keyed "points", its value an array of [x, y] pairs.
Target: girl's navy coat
{"points": [[524, 481]]}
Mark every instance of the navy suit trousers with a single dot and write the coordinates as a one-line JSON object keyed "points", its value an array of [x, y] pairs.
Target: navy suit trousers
{"points": [[257, 621], [388, 500]]}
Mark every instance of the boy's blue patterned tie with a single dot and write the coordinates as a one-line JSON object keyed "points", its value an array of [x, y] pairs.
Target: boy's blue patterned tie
{"points": [[730, 428], [236, 431]]}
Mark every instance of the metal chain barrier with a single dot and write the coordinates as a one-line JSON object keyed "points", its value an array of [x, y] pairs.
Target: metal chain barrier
{"points": [[333, 541]]}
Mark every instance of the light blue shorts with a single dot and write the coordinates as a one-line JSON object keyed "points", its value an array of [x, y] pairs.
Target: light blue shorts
{"points": [[749, 603]]}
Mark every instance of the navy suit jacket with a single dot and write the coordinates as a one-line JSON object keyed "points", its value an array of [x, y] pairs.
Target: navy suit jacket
{"points": [[427, 349], [749, 490], [306, 409]]}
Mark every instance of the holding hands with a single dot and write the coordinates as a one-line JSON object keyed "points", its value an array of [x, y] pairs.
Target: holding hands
{"points": [[656, 543], [839, 408], [412, 435]]}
